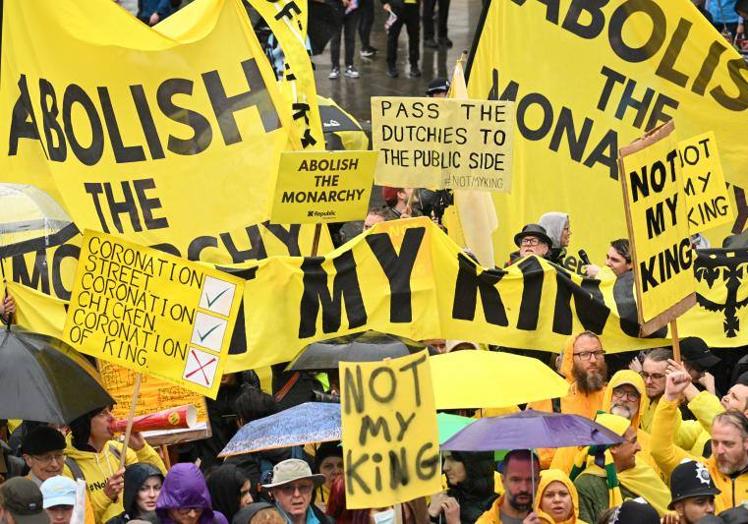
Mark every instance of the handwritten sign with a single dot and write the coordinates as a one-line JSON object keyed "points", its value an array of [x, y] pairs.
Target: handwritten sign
{"points": [[443, 143], [152, 312], [390, 437], [707, 199], [658, 227], [323, 186]]}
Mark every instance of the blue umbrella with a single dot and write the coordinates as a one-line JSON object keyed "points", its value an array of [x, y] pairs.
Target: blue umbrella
{"points": [[531, 429], [296, 426]]}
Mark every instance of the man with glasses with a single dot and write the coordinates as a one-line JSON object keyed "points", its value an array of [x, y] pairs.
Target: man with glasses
{"points": [[533, 240], [43, 451], [291, 489], [690, 435]]}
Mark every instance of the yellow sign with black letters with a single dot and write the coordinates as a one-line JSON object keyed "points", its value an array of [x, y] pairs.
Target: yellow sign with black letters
{"points": [[152, 312], [320, 186]]}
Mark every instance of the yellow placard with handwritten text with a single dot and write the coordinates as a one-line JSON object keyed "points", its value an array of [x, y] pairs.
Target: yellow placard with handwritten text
{"points": [[390, 437], [153, 313]]}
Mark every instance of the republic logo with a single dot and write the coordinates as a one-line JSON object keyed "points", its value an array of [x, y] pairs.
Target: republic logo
{"points": [[731, 267]]}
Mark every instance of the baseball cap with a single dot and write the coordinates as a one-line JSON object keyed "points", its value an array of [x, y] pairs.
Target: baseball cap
{"points": [[58, 491], [695, 350], [23, 499]]}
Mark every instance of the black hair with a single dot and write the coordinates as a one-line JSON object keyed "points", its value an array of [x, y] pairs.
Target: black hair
{"points": [[622, 246], [225, 484]]}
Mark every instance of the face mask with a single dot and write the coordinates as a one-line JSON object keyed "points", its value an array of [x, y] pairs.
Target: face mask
{"points": [[385, 517]]}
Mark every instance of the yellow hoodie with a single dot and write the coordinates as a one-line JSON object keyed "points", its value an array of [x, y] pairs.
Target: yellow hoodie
{"points": [[546, 478], [98, 467]]}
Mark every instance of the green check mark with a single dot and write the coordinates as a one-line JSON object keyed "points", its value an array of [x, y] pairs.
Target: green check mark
{"points": [[211, 330], [211, 302]]}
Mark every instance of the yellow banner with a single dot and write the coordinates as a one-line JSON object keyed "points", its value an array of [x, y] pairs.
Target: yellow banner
{"points": [[406, 277], [657, 221], [707, 197], [287, 19], [588, 77], [443, 143], [190, 122], [390, 436], [319, 186], [152, 313]]}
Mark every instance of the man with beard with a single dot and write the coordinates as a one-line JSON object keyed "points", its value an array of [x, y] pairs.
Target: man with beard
{"points": [[728, 465], [521, 474], [583, 364]]}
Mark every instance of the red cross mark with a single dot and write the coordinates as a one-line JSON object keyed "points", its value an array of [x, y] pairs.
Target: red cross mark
{"points": [[200, 367]]}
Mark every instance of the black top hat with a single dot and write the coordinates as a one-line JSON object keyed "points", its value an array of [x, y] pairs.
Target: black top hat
{"points": [[533, 230], [695, 350], [691, 479]]}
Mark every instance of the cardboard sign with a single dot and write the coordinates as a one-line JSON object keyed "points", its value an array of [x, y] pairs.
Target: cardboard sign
{"points": [[707, 198], [443, 143], [153, 313], [390, 436], [323, 186], [155, 395], [657, 221]]}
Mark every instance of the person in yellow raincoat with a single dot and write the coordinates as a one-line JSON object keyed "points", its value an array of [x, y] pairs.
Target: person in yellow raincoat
{"points": [[622, 475], [728, 465], [92, 456], [557, 501]]}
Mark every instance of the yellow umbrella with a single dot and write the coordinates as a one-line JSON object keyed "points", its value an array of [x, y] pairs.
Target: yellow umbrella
{"points": [[489, 379]]}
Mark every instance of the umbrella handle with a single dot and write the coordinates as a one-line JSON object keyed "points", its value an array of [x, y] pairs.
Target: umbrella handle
{"points": [[5, 294]]}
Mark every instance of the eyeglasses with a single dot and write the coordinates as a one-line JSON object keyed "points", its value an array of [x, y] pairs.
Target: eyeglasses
{"points": [[624, 394], [529, 241], [48, 458], [587, 355], [290, 489], [653, 376]]}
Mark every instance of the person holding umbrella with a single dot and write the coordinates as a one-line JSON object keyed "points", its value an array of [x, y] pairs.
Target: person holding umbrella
{"points": [[43, 451], [94, 457], [7, 307]]}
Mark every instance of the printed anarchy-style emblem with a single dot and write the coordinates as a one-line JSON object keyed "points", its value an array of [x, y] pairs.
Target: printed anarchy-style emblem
{"points": [[729, 267]]}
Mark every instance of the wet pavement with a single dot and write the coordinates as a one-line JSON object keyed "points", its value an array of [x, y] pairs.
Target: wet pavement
{"points": [[354, 94]]}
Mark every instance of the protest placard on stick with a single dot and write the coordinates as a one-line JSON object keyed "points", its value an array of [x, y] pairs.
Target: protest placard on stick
{"points": [[152, 312], [443, 143], [390, 437], [657, 223]]}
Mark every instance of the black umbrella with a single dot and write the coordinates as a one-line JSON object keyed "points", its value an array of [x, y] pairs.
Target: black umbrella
{"points": [[45, 380], [369, 346]]}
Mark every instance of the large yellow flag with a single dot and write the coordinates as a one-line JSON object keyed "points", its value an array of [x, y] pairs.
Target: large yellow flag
{"points": [[588, 78], [475, 208], [169, 136]]}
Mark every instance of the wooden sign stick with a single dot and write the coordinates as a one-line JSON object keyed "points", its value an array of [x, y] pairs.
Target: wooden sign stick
{"points": [[130, 417]]}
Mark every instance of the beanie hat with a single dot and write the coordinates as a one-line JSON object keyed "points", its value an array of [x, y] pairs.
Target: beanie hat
{"points": [[42, 439]]}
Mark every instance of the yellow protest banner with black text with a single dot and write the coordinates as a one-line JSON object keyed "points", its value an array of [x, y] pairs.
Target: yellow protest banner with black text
{"points": [[588, 77], [158, 134], [320, 186], [707, 197], [406, 277], [657, 221], [443, 143], [390, 436], [152, 312]]}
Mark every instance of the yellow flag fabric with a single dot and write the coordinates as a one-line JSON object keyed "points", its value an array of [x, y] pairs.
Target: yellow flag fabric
{"points": [[476, 210], [590, 77], [287, 20], [170, 137]]}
